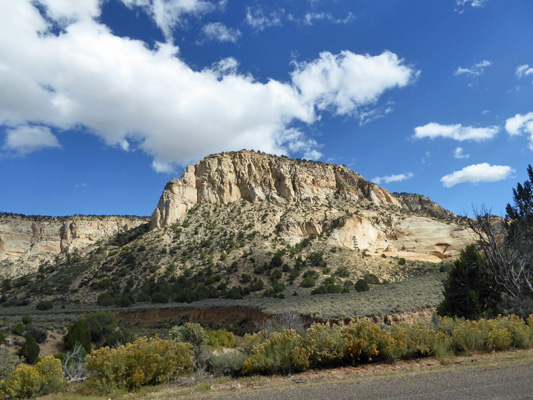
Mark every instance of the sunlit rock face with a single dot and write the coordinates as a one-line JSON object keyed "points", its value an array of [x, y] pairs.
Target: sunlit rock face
{"points": [[228, 177]]}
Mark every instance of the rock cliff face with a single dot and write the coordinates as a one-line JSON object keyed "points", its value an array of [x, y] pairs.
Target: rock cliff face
{"points": [[417, 203], [26, 241], [311, 199], [229, 177]]}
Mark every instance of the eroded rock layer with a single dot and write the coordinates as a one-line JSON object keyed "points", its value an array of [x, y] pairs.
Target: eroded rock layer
{"points": [[228, 177]]}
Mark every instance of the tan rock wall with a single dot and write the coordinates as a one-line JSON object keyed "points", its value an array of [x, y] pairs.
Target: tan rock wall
{"points": [[25, 242]]}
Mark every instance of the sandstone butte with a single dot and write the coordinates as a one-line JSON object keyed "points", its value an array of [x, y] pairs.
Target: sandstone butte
{"points": [[408, 225], [403, 225]]}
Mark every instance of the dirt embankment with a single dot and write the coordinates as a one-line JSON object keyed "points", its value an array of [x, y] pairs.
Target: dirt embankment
{"points": [[254, 316], [222, 315]]}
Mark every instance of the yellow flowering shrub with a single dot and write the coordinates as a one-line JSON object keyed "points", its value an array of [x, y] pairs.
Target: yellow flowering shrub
{"points": [[418, 339], [325, 343], [143, 362], [282, 352], [366, 341], [521, 333], [30, 381], [469, 337]]}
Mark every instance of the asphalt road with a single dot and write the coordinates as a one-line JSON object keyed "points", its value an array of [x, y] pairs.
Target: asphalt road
{"points": [[507, 382]]}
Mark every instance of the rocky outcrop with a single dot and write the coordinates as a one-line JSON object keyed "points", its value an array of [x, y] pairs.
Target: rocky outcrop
{"points": [[357, 233], [417, 203], [229, 177], [26, 241]]}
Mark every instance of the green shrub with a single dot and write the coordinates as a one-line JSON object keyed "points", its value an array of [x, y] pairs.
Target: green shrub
{"points": [[372, 279], [401, 261], [469, 337], [100, 324], [18, 329], [30, 350], [105, 300], [343, 272], [282, 352], [27, 319], [39, 335], [44, 305], [9, 361], [31, 381], [2, 337], [230, 363], [418, 339], [143, 298], [160, 297], [361, 285], [326, 343], [143, 362], [308, 282], [189, 332], [222, 338], [78, 333]]}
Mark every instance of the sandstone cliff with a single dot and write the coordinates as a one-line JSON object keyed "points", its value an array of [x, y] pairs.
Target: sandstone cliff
{"points": [[417, 203], [26, 241], [229, 177], [311, 198]]}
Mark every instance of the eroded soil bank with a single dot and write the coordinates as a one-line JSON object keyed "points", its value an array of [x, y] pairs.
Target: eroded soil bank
{"points": [[253, 316]]}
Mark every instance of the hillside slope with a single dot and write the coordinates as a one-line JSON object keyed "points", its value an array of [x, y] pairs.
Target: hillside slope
{"points": [[249, 224]]}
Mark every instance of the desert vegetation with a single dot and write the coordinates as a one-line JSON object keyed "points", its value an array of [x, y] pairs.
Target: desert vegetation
{"points": [[282, 346], [495, 276]]}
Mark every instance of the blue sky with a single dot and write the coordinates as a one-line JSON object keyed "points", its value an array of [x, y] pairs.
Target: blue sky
{"points": [[103, 102]]}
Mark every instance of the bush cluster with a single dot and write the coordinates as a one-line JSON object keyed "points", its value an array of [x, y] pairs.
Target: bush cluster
{"points": [[143, 362], [325, 345], [30, 381]]}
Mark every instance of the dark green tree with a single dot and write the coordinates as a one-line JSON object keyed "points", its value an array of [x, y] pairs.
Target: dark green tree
{"points": [[508, 244], [470, 291], [78, 333], [30, 350]]}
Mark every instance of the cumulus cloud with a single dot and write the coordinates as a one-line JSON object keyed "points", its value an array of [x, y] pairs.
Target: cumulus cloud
{"points": [[168, 13], [219, 32], [346, 81], [476, 69], [459, 153], [457, 132], [523, 70], [392, 178], [26, 139], [477, 173], [134, 97], [521, 124]]}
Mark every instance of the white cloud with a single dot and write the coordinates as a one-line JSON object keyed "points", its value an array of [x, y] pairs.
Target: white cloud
{"points": [[456, 132], [520, 124], [65, 11], [459, 153], [311, 17], [134, 97], [167, 14], [473, 3], [392, 178], [257, 19], [219, 32], [476, 69], [523, 70], [346, 81], [477, 173], [26, 139]]}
